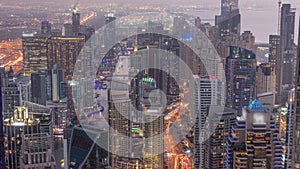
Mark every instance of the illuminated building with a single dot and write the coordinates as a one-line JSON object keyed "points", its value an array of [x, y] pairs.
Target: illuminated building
{"points": [[286, 56], [46, 27], [208, 93], [27, 143], [240, 70], [296, 122], [119, 119], [288, 128], [2, 150], [221, 125], [35, 53], [229, 22], [254, 142], [59, 114], [75, 21], [274, 42], [64, 52]]}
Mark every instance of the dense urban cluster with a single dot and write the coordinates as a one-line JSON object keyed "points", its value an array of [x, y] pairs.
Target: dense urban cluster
{"points": [[171, 95]]}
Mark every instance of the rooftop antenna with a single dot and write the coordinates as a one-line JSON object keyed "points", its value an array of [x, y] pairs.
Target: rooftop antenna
{"points": [[75, 9], [279, 12]]}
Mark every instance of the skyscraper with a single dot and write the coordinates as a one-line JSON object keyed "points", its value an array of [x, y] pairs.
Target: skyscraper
{"points": [[75, 21], [240, 77], [56, 75], [221, 125], [265, 78], [84, 151], [286, 55], [28, 144], [63, 53], [229, 5], [254, 142], [2, 150], [274, 41], [46, 27], [296, 118], [229, 22], [40, 83], [208, 93], [11, 97], [35, 52]]}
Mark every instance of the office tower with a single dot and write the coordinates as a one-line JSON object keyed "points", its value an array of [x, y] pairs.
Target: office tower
{"points": [[46, 27], [27, 146], [289, 129], [56, 32], [56, 75], [229, 5], [67, 30], [274, 42], [229, 22], [119, 120], [24, 84], [84, 151], [254, 142], [296, 118], [286, 55], [35, 53], [75, 21], [265, 78], [64, 52], [59, 115], [240, 77], [245, 40], [40, 85], [110, 31], [208, 93], [86, 31], [2, 150], [221, 126], [11, 97]]}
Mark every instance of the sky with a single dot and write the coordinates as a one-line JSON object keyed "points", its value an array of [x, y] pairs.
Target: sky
{"points": [[259, 16]]}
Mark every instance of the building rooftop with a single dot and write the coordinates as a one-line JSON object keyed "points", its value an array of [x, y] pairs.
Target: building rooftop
{"points": [[256, 105]]}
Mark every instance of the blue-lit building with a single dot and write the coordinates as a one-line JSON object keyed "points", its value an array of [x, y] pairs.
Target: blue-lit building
{"points": [[240, 77], [254, 141]]}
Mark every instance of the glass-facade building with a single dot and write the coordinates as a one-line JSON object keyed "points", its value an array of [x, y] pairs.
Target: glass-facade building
{"points": [[240, 77]]}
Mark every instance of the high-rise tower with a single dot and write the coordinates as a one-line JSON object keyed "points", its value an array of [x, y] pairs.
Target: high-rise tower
{"points": [[240, 77], [75, 21], [296, 117], [254, 141], [286, 55], [229, 22]]}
